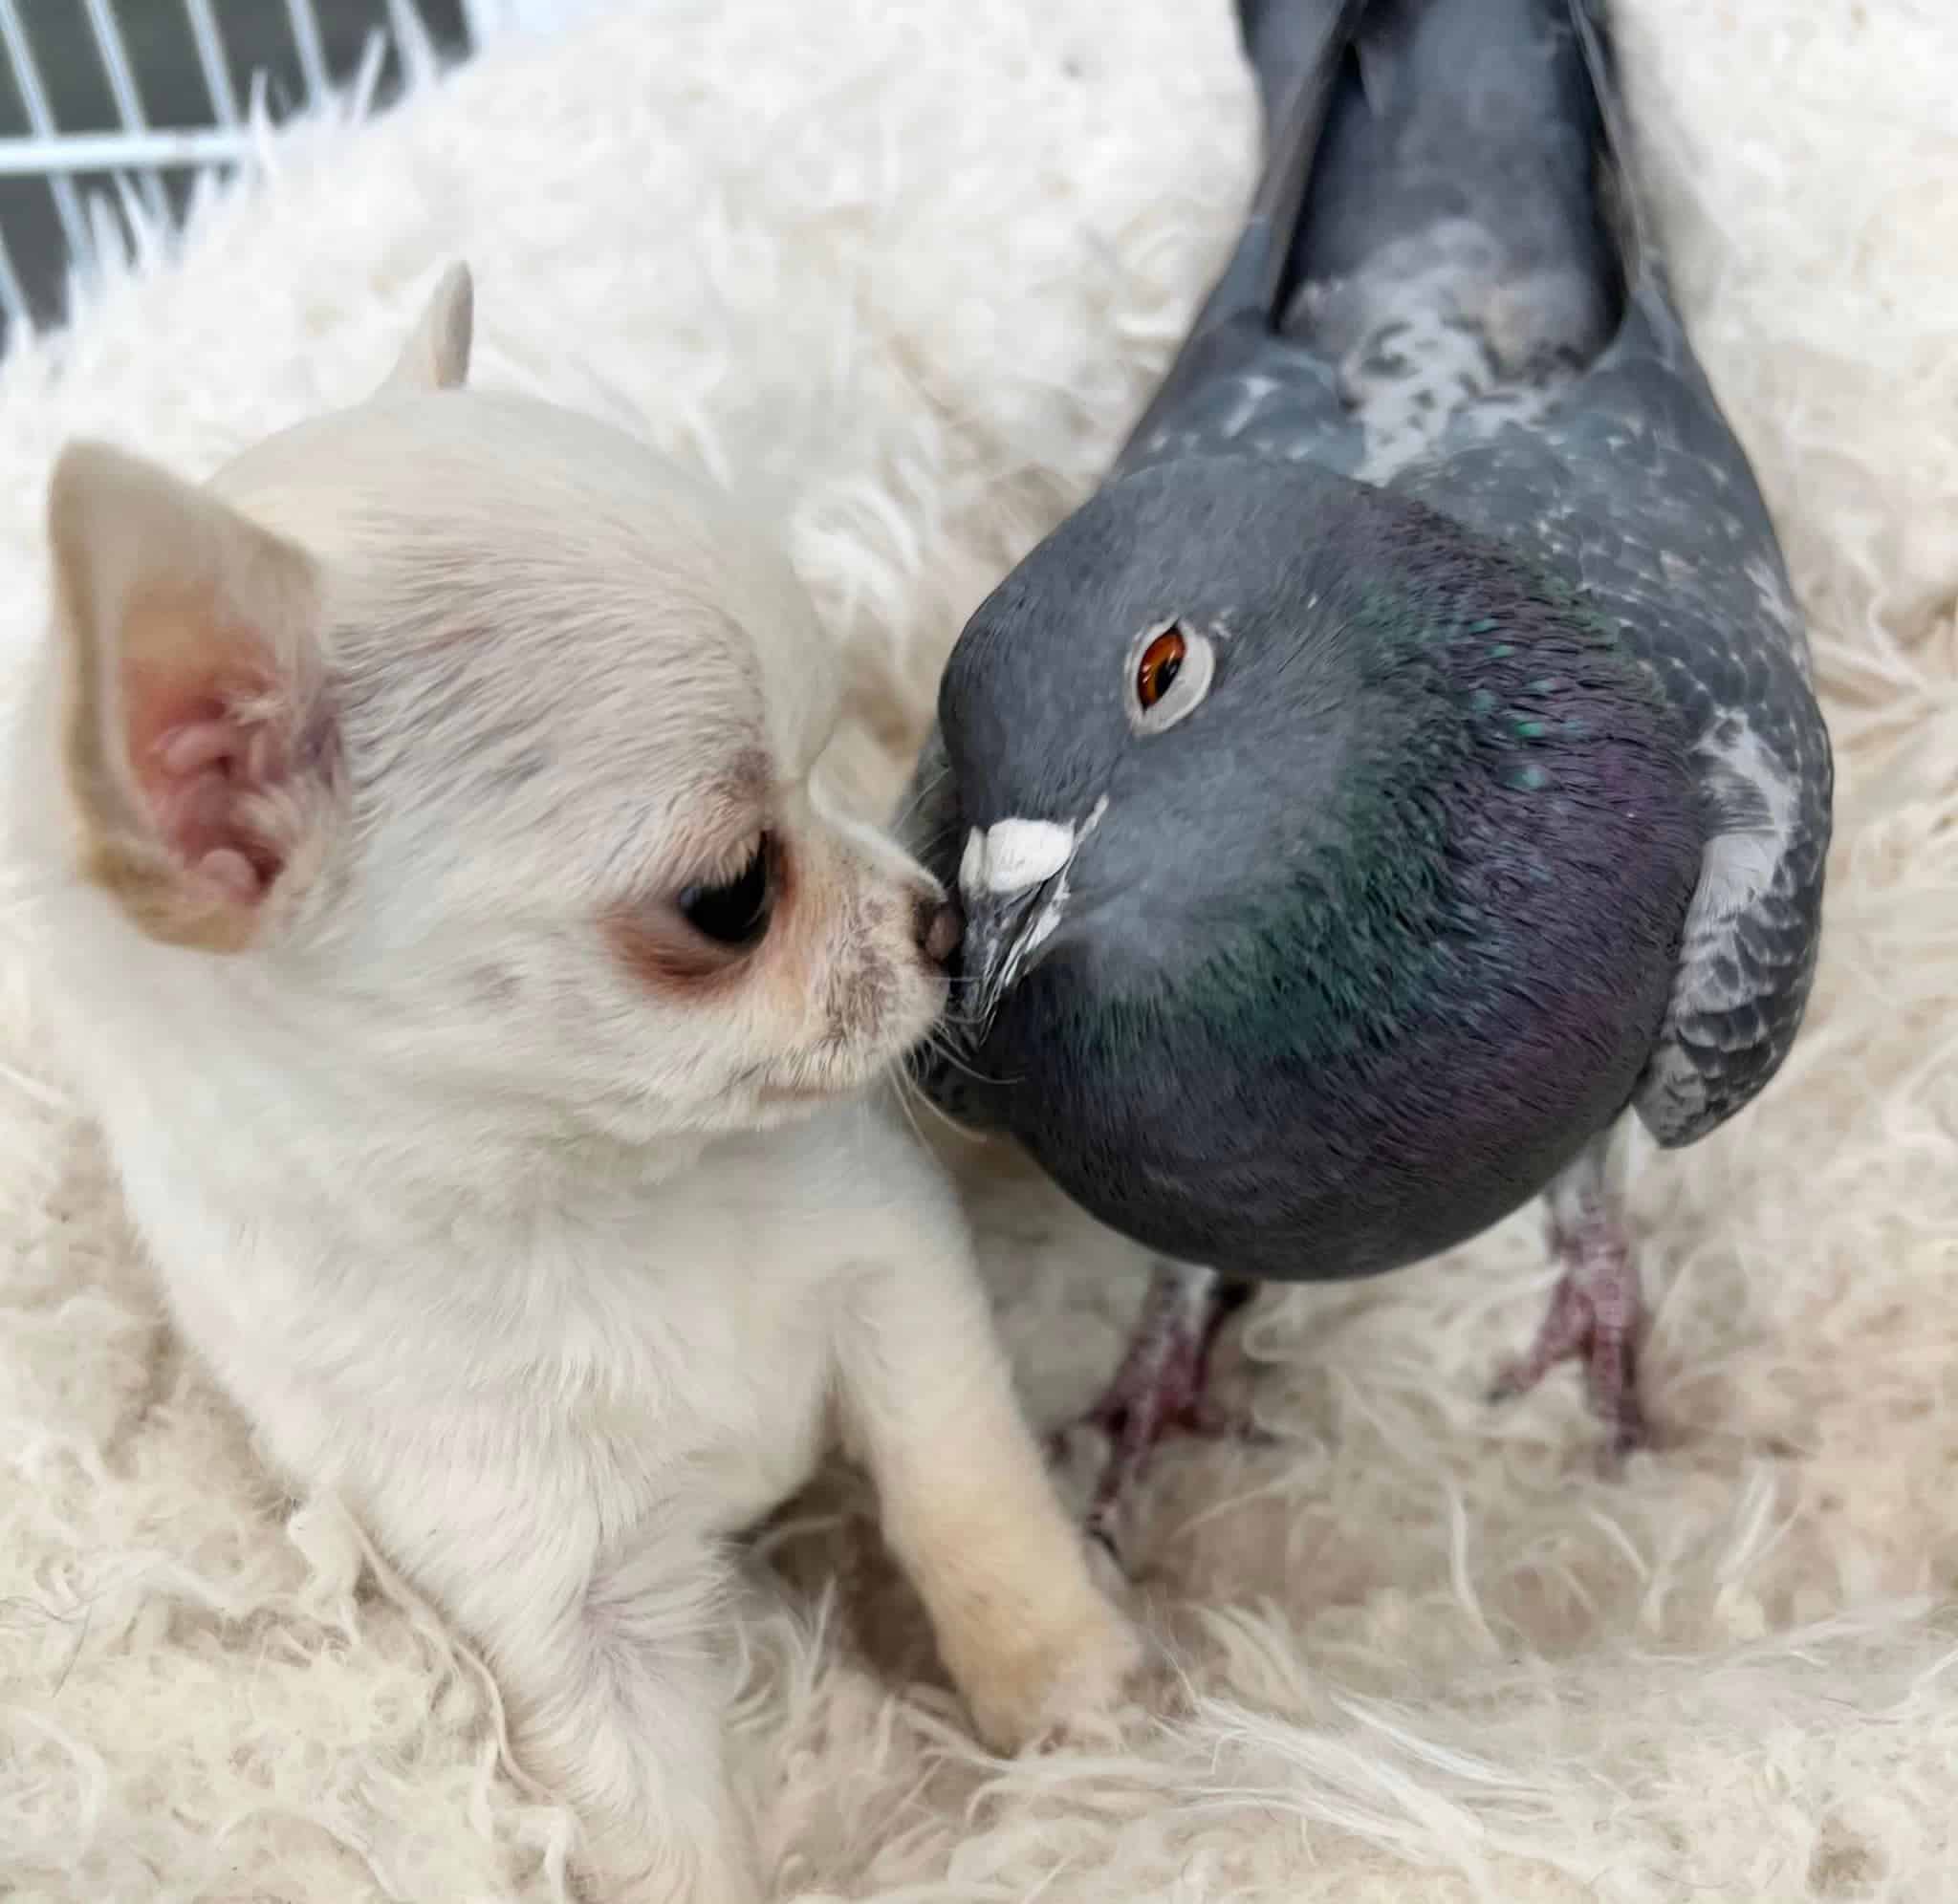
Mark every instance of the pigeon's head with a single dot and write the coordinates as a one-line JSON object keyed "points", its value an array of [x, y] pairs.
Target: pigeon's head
{"points": [[1231, 701], [1142, 720]]}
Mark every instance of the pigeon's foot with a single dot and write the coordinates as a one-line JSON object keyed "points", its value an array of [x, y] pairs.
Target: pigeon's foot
{"points": [[1160, 1388], [1594, 1315]]}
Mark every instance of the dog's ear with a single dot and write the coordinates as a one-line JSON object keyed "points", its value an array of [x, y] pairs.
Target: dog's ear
{"points": [[201, 748], [436, 355]]}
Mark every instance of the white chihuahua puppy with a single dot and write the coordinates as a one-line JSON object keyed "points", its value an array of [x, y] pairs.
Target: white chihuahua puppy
{"points": [[480, 1005]]}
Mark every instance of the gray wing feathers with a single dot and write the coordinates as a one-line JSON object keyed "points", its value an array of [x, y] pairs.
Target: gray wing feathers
{"points": [[1243, 395], [1748, 955], [1221, 374]]}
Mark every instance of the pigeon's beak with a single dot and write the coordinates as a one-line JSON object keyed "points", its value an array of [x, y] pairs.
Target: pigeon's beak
{"points": [[1002, 943], [1013, 884]]}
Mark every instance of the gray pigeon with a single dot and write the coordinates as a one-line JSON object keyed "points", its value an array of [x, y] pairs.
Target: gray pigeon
{"points": [[1406, 766]]}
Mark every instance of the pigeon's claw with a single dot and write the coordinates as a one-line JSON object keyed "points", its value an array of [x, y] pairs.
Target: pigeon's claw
{"points": [[1594, 1316], [1160, 1390]]}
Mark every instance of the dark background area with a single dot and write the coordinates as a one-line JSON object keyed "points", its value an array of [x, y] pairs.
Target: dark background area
{"points": [[257, 37]]}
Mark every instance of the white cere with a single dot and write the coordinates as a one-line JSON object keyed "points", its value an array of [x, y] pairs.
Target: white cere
{"points": [[1013, 856]]}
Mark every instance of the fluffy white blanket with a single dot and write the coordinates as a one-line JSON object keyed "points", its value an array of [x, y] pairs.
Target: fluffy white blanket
{"points": [[908, 270]]}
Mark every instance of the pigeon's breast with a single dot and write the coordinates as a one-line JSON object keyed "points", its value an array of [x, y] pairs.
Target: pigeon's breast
{"points": [[1371, 1089]]}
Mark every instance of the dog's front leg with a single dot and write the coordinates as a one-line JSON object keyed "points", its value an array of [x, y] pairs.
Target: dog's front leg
{"points": [[926, 1401], [604, 1648]]}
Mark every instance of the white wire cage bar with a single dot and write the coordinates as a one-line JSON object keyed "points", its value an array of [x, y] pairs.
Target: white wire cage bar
{"points": [[131, 46]]}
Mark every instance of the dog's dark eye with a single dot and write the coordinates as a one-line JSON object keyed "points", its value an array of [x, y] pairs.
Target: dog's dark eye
{"points": [[735, 913]]}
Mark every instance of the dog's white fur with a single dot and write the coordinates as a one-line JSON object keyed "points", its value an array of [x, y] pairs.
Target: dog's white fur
{"points": [[362, 784]]}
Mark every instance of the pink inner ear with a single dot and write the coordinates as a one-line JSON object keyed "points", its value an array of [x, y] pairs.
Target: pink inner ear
{"points": [[204, 756]]}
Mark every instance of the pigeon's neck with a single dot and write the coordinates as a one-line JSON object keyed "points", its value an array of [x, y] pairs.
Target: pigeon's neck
{"points": [[1359, 942]]}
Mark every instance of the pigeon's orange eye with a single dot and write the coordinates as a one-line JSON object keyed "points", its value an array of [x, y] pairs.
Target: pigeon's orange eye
{"points": [[1160, 663]]}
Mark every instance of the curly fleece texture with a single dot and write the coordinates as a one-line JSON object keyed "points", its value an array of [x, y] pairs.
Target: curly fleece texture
{"points": [[905, 272]]}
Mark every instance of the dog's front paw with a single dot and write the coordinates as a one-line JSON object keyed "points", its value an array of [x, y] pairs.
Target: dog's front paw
{"points": [[1054, 1677]]}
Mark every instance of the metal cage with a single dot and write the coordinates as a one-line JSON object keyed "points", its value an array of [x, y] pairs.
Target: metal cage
{"points": [[111, 109]]}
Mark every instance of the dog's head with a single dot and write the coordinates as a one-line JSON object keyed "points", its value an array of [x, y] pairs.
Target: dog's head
{"points": [[485, 735]]}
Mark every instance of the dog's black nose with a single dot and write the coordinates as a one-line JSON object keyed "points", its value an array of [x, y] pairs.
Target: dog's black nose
{"points": [[940, 927]]}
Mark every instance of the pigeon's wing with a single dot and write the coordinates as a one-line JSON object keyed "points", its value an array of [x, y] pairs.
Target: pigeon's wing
{"points": [[1236, 385], [1632, 486]]}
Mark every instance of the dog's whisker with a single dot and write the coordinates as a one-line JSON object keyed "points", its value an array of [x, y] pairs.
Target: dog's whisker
{"points": [[960, 1065], [924, 1097], [925, 788]]}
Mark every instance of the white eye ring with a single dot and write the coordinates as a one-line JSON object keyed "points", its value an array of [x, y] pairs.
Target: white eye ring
{"points": [[1195, 669]]}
